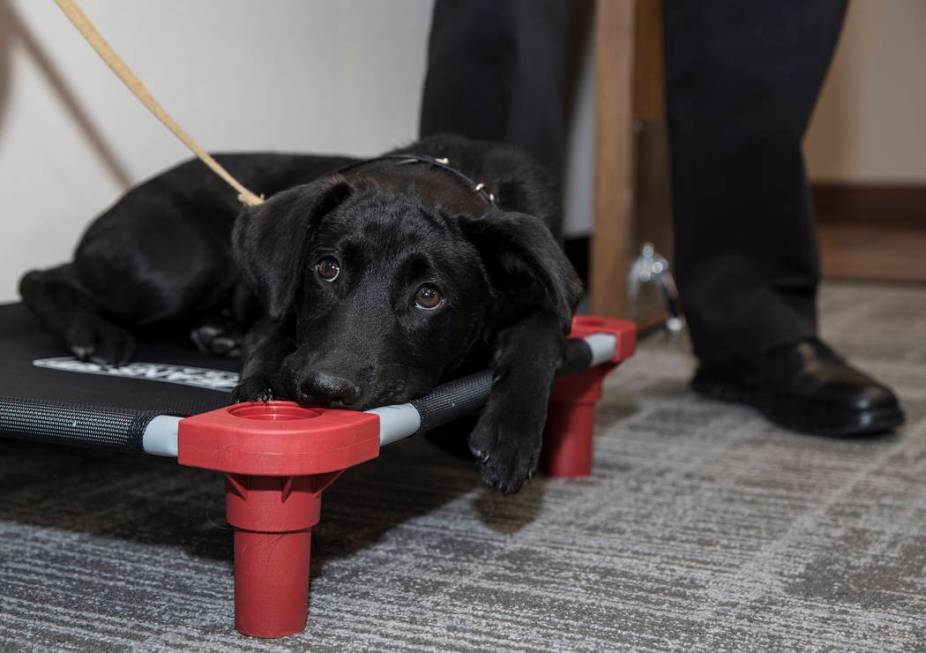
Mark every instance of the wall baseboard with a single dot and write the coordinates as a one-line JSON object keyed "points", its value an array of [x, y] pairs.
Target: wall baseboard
{"points": [[872, 232], [894, 204]]}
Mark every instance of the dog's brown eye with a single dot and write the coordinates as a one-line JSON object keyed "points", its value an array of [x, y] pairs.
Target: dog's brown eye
{"points": [[328, 269], [428, 297]]}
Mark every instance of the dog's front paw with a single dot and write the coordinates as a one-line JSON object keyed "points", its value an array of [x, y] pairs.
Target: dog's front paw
{"points": [[220, 336], [93, 339], [507, 449], [253, 388]]}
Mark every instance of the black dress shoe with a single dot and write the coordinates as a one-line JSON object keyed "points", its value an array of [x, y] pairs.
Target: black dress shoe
{"points": [[804, 386]]}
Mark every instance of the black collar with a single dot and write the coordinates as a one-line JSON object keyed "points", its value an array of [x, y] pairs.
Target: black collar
{"points": [[442, 164]]}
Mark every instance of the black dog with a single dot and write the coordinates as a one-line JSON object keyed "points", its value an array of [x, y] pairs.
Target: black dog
{"points": [[357, 283]]}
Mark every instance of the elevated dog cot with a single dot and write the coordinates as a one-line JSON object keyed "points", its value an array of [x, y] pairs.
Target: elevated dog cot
{"points": [[277, 457]]}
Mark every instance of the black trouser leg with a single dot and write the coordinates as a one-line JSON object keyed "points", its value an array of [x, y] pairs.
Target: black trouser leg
{"points": [[496, 71], [742, 79]]}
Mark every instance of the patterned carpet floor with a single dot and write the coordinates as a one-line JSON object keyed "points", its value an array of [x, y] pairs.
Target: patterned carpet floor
{"points": [[703, 528]]}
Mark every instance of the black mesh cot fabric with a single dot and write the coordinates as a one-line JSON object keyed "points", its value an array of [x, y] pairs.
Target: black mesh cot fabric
{"points": [[452, 400], [46, 395]]}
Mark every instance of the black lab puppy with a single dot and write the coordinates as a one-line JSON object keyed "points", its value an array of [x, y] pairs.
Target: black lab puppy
{"points": [[355, 284]]}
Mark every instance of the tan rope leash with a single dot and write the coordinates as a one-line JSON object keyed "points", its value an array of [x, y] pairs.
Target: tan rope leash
{"points": [[118, 66]]}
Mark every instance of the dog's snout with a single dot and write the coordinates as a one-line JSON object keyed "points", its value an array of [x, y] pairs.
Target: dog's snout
{"points": [[322, 389]]}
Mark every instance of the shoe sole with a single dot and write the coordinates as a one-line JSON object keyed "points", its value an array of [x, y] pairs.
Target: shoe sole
{"points": [[844, 425]]}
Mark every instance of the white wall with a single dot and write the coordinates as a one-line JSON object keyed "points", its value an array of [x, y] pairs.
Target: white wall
{"points": [[318, 75], [579, 160], [868, 126]]}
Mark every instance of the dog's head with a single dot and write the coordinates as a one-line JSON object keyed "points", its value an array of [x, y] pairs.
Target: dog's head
{"points": [[386, 296]]}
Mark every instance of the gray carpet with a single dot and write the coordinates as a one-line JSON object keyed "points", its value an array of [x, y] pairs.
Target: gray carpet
{"points": [[702, 529]]}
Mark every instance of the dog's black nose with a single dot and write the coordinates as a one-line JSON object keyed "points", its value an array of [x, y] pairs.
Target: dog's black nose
{"points": [[321, 389]]}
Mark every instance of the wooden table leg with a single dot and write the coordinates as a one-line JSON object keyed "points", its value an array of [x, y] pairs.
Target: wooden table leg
{"points": [[613, 238]]}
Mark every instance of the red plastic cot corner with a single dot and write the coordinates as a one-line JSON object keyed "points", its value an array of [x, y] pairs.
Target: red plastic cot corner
{"points": [[568, 435], [278, 458]]}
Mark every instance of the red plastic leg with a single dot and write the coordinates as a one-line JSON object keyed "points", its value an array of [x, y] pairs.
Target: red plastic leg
{"points": [[568, 437], [273, 518], [278, 458], [271, 582]]}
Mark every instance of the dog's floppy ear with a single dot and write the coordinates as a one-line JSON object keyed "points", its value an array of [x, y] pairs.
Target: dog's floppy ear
{"points": [[268, 240], [525, 263]]}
